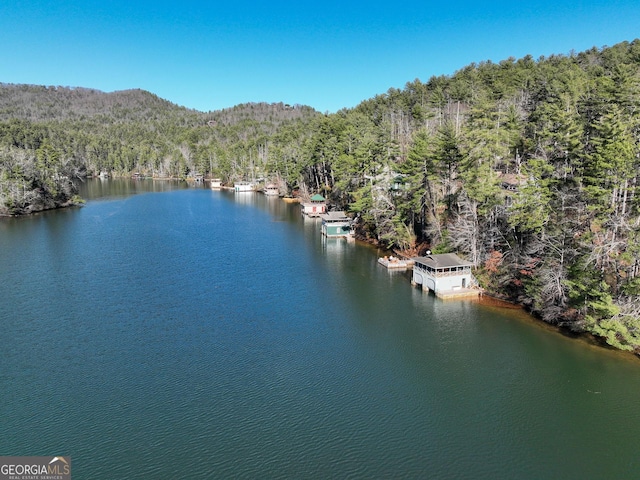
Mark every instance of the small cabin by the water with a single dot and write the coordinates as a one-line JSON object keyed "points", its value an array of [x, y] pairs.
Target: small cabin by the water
{"points": [[445, 274], [336, 224], [240, 187], [216, 184], [315, 207], [272, 190]]}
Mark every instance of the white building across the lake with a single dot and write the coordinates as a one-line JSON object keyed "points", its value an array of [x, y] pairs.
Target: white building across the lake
{"points": [[272, 190], [243, 187]]}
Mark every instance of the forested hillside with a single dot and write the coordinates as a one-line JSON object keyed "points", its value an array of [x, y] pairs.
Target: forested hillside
{"points": [[51, 135], [527, 167]]}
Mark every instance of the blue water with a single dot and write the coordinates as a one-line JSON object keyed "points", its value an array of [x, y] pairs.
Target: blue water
{"points": [[164, 332]]}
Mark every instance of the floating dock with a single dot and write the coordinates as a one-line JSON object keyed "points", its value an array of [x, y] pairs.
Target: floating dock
{"points": [[395, 263]]}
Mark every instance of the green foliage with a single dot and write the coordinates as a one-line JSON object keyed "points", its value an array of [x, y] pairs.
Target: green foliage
{"points": [[529, 167], [610, 162], [621, 333], [444, 245], [363, 202], [531, 207]]}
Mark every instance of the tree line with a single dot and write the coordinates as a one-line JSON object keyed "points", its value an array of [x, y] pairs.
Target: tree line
{"points": [[527, 167]]}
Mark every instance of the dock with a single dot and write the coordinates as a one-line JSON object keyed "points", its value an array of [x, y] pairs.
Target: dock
{"points": [[395, 263], [457, 293]]}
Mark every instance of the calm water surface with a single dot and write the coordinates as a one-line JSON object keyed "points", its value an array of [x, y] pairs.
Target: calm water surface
{"points": [[168, 332]]}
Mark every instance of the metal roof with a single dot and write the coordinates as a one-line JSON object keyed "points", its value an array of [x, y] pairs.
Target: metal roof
{"points": [[443, 260], [334, 217]]}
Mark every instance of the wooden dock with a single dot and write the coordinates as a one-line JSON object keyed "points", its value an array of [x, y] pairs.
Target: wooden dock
{"points": [[395, 263]]}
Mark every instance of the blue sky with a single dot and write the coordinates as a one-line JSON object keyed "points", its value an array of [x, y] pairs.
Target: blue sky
{"points": [[210, 55]]}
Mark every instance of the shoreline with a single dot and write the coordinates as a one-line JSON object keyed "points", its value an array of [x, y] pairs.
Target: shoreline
{"points": [[493, 299], [486, 298], [29, 211]]}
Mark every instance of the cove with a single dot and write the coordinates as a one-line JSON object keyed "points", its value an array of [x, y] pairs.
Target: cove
{"points": [[169, 332]]}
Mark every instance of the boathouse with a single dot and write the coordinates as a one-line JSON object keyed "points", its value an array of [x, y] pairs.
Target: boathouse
{"points": [[446, 274], [272, 190], [240, 187], [315, 207], [336, 224]]}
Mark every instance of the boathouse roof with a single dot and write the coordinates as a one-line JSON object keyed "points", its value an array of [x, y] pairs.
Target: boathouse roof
{"points": [[334, 217], [443, 260], [317, 198]]}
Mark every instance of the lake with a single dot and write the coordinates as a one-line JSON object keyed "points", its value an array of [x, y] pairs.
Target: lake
{"points": [[170, 332]]}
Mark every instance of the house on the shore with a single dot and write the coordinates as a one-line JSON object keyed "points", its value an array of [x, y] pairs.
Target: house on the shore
{"points": [[336, 224], [271, 190], [445, 274], [240, 187], [315, 207]]}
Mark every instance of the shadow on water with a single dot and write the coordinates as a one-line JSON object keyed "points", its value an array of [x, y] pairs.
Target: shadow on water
{"points": [[517, 312], [98, 188]]}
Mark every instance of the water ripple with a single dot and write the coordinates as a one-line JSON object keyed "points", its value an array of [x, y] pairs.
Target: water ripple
{"points": [[148, 343]]}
